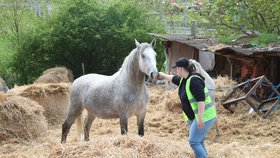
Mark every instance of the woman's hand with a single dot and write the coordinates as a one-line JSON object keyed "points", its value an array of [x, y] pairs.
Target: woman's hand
{"points": [[200, 123]]}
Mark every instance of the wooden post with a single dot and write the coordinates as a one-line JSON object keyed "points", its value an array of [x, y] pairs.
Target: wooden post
{"points": [[186, 23], [83, 68], [231, 67], [193, 28]]}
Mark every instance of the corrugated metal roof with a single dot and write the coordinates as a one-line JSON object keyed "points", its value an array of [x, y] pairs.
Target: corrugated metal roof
{"points": [[234, 50], [249, 51], [200, 43]]}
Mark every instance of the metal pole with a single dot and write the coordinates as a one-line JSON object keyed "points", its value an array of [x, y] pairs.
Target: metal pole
{"points": [[83, 68]]}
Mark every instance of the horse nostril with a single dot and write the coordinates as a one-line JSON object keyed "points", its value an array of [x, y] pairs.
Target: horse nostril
{"points": [[151, 75]]}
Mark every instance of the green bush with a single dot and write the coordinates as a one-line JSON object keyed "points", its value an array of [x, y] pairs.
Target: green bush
{"points": [[100, 35]]}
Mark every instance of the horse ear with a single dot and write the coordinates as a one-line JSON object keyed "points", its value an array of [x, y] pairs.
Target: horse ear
{"points": [[153, 43], [191, 61], [137, 43]]}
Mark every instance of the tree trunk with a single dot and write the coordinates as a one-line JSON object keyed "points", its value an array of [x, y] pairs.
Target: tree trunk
{"points": [[37, 8], [49, 6]]}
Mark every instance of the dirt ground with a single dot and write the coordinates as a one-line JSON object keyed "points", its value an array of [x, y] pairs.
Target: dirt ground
{"points": [[166, 135]]}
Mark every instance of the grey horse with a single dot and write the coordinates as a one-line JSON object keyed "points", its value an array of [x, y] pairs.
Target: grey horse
{"points": [[122, 95]]}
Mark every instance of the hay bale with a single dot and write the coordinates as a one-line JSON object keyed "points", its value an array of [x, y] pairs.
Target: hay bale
{"points": [[21, 118], [52, 97], [56, 75], [3, 86]]}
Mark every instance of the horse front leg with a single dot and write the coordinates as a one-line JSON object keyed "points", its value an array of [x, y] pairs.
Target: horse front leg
{"points": [[140, 123], [123, 123]]}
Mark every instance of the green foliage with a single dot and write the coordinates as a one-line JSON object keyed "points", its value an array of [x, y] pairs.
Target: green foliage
{"points": [[16, 20], [6, 53], [265, 39], [98, 34], [242, 16], [227, 39]]}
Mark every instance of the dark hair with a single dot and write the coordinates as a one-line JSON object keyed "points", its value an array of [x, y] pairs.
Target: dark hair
{"points": [[190, 68], [181, 62]]}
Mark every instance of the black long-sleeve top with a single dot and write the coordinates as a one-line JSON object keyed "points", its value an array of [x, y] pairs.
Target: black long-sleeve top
{"points": [[197, 89]]}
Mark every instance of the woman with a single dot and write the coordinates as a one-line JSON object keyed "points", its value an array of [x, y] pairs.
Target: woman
{"points": [[197, 107]]}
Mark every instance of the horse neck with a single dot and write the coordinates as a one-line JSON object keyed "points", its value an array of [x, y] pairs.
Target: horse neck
{"points": [[210, 84], [209, 81], [130, 71]]}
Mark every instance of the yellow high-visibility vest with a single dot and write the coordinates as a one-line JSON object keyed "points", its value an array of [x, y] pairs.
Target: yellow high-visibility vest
{"points": [[209, 110]]}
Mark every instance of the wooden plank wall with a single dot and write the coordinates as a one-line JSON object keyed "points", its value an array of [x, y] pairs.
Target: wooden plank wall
{"points": [[178, 50], [274, 70]]}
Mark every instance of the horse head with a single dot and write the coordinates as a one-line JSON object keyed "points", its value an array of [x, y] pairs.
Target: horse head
{"points": [[147, 58], [197, 66], [210, 84]]}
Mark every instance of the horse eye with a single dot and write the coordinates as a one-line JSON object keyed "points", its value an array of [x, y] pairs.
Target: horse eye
{"points": [[143, 56]]}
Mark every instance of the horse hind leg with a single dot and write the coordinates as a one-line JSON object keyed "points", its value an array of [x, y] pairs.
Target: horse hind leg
{"points": [[88, 121], [218, 130], [73, 113]]}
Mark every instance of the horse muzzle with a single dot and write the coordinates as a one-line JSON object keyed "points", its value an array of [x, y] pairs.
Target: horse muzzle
{"points": [[154, 75]]}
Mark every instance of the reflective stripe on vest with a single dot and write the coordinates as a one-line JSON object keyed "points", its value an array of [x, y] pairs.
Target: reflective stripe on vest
{"points": [[209, 110]]}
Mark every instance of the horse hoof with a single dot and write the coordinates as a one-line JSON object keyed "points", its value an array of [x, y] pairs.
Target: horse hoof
{"points": [[141, 135]]}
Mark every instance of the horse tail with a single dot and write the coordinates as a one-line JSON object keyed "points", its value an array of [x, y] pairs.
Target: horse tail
{"points": [[80, 130]]}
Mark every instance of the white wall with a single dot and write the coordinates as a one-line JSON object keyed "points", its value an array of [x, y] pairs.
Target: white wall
{"points": [[207, 60]]}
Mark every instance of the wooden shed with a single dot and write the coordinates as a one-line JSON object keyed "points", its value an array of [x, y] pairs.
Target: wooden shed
{"points": [[177, 46], [245, 63]]}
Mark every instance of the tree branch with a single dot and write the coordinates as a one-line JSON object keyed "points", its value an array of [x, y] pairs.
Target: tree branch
{"points": [[264, 22], [239, 28], [262, 18]]}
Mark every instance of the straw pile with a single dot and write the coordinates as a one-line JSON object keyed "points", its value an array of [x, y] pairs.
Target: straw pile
{"points": [[56, 75], [173, 102], [20, 118], [166, 135], [53, 97], [224, 85], [122, 146]]}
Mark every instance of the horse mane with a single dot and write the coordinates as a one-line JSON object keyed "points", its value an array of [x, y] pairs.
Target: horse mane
{"points": [[208, 80], [134, 54]]}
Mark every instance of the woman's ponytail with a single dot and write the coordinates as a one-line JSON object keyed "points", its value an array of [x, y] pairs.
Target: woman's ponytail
{"points": [[191, 68]]}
